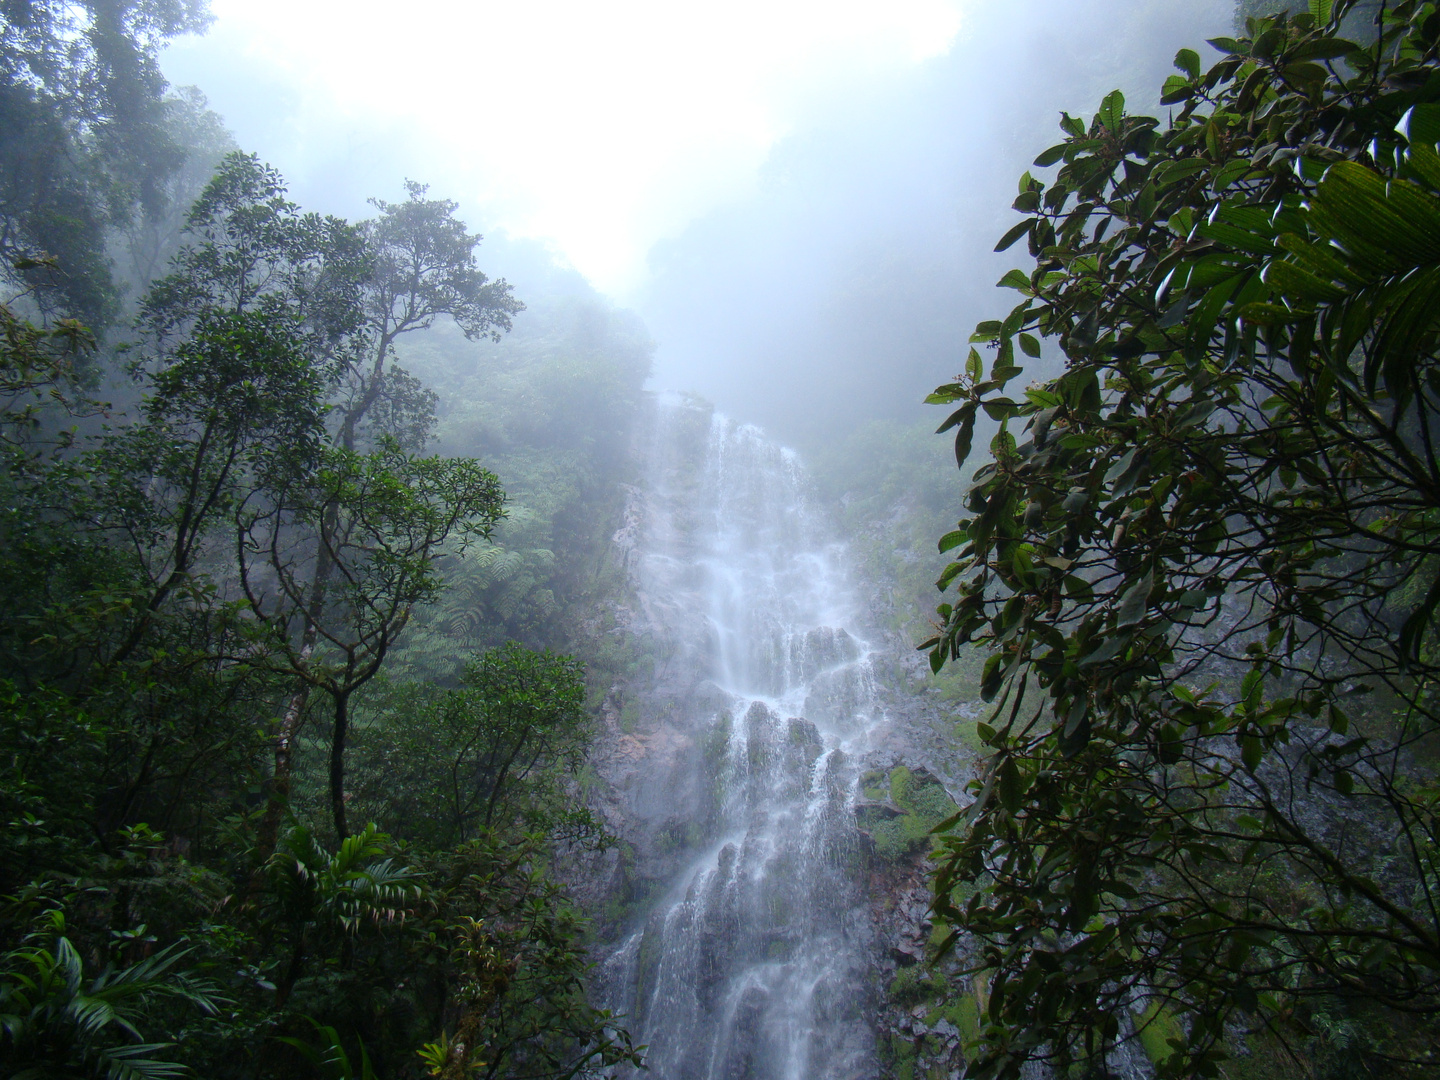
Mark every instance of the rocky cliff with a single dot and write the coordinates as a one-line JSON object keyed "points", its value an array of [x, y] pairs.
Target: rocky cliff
{"points": [[766, 911]]}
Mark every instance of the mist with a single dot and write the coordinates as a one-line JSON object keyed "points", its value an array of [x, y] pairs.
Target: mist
{"points": [[846, 286], [824, 269], [573, 651]]}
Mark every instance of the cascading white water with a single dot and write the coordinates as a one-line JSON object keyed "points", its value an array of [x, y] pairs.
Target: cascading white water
{"points": [[756, 963]]}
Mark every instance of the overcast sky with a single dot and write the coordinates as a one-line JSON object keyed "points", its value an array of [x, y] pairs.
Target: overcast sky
{"points": [[600, 128], [798, 196], [844, 287]]}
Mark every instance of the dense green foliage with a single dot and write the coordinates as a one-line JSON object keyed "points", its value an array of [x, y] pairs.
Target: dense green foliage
{"points": [[235, 841], [889, 493], [552, 409], [445, 766], [85, 139], [1204, 562], [907, 808]]}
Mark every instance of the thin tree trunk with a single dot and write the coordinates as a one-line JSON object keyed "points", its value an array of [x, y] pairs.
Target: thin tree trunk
{"points": [[337, 763], [292, 972], [357, 411], [290, 720], [269, 833]]}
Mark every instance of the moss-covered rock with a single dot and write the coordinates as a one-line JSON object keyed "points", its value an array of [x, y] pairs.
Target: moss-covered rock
{"points": [[900, 809]]}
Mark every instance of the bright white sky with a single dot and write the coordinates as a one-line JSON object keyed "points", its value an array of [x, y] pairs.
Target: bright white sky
{"points": [[597, 127]]}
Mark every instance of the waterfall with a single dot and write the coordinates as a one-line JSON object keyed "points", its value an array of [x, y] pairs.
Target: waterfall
{"points": [[754, 959]]}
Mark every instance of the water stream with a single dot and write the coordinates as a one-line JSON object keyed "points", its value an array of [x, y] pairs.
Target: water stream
{"points": [[755, 963]]}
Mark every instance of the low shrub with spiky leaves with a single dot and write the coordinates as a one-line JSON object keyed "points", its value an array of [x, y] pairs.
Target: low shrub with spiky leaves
{"points": [[55, 1022], [314, 894]]}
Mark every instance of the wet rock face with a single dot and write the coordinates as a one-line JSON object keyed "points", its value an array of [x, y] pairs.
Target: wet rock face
{"points": [[823, 649], [741, 948], [764, 902], [912, 1030], [758, 965], [766, 915]]}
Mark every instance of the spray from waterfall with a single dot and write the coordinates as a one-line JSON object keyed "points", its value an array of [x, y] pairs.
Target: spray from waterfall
{"points": [[755, 963]]}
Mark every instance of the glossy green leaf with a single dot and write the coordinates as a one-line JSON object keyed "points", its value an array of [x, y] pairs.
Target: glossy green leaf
{"points": [[1112, 110], [1012, 234], [1015, 279], [1135, 602]]}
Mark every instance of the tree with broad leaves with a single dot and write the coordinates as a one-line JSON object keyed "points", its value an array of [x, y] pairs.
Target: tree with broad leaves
{"points": [[1205, 561], [423, 267], [498, 752], [379, 522], [249, 248], [517, 972], [334, 545]]}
